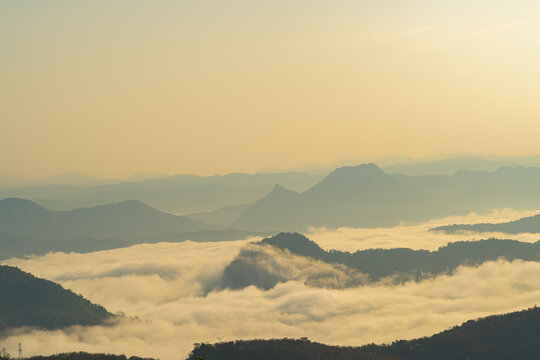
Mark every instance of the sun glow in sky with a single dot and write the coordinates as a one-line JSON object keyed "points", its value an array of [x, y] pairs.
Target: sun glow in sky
{"points": [[112, 88]]}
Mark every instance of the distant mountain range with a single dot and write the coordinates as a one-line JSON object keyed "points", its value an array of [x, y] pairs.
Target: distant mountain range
{"points": [[29, 301], [366, 196], [355, 196], [257, 266], [121, 220], [453, 164], [178, 194], [27, 228], [529, 224], [499, 337]]}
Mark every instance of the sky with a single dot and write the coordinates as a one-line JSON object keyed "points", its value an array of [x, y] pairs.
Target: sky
{"points": [[116, 87]]}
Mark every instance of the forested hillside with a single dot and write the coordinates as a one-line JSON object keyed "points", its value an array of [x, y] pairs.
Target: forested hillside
{"points": [[501, 337], [29, 301]]}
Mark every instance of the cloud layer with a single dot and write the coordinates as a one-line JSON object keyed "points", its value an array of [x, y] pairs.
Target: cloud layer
{"points": [[162, 285]]}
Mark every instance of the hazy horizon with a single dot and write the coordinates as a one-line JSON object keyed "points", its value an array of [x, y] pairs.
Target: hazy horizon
{"points": [[382, 161]]}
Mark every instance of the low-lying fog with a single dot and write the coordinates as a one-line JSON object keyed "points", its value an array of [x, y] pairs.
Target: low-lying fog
{"points": [[159, 287]]}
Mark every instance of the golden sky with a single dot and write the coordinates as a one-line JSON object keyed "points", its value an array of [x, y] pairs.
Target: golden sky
{"points": [[115, 87]]}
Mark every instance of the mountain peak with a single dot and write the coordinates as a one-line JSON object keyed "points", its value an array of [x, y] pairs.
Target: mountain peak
{"points": [[364, 169], [350, 177], [294, 242], [279, 188]]}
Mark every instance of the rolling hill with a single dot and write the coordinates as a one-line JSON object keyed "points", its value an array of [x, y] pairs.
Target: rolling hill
{"points": [[29, 301], [29, 229], [121, 220]]}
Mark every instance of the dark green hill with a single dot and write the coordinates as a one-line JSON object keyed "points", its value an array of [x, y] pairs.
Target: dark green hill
{"points": [[250, 266], [174, 194], [501, 337], [510, 336], [29, 301], [86, 356], [282, 349]]}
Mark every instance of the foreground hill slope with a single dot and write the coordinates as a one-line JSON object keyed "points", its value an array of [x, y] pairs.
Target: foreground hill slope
{"points": [[86, 356], [501, 337], [29, 301]]}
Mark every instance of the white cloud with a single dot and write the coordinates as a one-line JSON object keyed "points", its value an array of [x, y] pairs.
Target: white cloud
{"points": [[417, 236], [161, 284]]}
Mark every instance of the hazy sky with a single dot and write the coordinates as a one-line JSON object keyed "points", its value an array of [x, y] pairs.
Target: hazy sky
{"points": [[115, 87]]}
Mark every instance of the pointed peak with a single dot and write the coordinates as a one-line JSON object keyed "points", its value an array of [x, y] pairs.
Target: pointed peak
{"points": [[279, 189]]}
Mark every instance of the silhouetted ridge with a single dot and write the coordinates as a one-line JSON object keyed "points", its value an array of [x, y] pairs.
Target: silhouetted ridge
{"points": [[529, 224], [85, 356], [29, 301], [282, 349], [120, 220], [278, 188], [361, 171], [256, 266], [172, 194], [350, 178], [365, 196], [296, 243], [499, 337]]}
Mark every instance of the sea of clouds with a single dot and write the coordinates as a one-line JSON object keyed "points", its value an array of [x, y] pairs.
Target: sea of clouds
{"points": [[166, 292]]}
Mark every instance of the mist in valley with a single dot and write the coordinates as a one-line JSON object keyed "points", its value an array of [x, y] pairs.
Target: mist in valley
{"points": [[169, 296]]}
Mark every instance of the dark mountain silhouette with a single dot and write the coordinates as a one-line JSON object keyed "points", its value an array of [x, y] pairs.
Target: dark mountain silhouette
{"points": [[509, 336], [173, 194], [251, 267], [282, 349], [365, 196], [27, 228], [500, 337], [125, 219], [29, 301], [86, 356], [530, 224]]}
